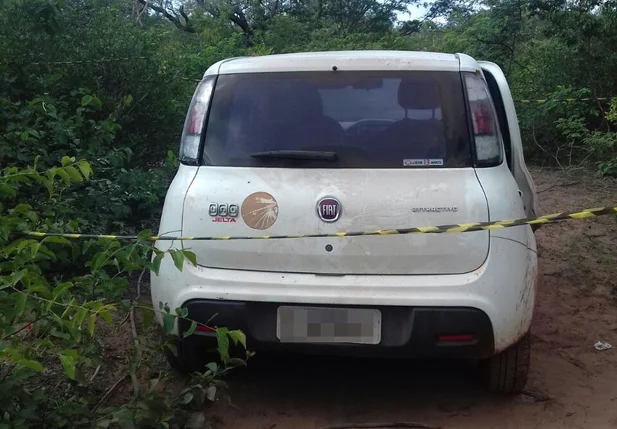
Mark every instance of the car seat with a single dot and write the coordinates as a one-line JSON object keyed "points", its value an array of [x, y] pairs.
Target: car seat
{"points": [[417, 138], [295, 119]]}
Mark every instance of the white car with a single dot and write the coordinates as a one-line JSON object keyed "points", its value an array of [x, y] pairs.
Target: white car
{"points": [[328, 142]]}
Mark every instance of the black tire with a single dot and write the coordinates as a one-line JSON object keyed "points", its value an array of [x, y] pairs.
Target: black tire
{"points": [[507, 371], [194, 353]]}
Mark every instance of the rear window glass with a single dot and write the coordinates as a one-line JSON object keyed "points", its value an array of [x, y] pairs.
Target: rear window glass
{"points": [[367, 119]]}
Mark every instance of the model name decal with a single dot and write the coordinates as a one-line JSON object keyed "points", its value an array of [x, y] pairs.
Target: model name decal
{"points": [[223, 210], [224, 219], [434, 209]]}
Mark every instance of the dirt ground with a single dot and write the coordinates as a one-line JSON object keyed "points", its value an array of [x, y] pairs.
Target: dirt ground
{"points": [[571, 384]]}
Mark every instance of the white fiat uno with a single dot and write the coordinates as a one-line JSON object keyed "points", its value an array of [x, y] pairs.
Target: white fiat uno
{"points": [[328, 142]]}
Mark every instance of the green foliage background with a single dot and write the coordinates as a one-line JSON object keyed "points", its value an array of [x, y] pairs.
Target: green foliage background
{"points": [[109, 81]]}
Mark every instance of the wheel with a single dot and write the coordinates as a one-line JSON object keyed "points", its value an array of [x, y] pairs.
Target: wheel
{"points": [[507, 371], [193, 354]]}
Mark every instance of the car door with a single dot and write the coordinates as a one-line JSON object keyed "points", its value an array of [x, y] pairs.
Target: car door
{"points": [[508, 122]]}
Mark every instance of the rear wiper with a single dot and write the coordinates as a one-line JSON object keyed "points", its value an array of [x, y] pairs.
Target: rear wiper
{"points": [[297, 154]]}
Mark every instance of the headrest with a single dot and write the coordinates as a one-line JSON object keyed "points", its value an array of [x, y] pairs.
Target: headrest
{"points": [[297, 99], [419, 93]]}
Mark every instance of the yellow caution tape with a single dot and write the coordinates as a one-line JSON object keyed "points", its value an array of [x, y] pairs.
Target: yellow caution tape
{"points": [[565, 100], [90, 61], [451, 229]]}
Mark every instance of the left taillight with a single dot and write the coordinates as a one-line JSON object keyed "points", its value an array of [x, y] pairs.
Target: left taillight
{"points": [[192, 133]]}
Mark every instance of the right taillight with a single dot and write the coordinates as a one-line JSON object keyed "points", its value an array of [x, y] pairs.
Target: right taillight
{"points": [[190, 145], [486, 133]]}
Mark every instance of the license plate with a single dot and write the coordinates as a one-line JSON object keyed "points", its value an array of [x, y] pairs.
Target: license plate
{"points": [[328, 325]]}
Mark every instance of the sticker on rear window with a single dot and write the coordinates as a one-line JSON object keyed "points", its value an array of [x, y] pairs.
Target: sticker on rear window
{"points": [[421, 162]]}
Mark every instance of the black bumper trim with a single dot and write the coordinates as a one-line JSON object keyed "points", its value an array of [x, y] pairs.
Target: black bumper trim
{"points": [[406, 331]]}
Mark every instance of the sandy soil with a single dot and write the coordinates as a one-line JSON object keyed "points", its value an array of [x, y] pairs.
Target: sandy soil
{"points": [[572, 385]]}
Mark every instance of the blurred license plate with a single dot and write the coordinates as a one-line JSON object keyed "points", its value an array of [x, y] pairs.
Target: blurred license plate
{"points": [[328, 325]]}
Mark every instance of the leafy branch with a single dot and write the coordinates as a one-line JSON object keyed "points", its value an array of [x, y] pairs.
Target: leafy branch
{"points": [[49, 322]]}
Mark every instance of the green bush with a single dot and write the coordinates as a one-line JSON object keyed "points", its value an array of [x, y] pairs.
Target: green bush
{"points": [[118, 198], [53, 326]]}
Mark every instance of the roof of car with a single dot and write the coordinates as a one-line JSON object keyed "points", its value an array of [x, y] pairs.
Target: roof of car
{"points": [[345, 60]]}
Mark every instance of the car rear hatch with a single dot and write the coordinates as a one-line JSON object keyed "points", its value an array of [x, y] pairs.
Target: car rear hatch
{"points": [[323, 152]]}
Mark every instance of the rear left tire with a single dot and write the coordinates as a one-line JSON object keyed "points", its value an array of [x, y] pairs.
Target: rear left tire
{"points": [[193, 354]]}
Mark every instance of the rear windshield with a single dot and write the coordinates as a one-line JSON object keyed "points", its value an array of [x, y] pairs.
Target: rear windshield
{"points": [[366, 119]]}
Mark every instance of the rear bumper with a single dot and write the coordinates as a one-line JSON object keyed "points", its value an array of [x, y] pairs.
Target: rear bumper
{"points": [[406, 331], [503, 290]]}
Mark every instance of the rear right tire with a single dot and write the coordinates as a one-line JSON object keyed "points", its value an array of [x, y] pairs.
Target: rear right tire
{"points": [[507, 371]]}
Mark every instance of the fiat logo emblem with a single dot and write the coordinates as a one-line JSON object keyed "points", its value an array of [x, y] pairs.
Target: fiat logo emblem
{"points": [[329, 209]]}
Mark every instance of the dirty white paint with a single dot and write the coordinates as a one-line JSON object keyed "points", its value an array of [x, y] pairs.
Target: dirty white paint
{"points": [[504, 201], [495, 273], [503, 286], [345, 60], [519, 168], [171, 217], [494, 288], [370, 199]]}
